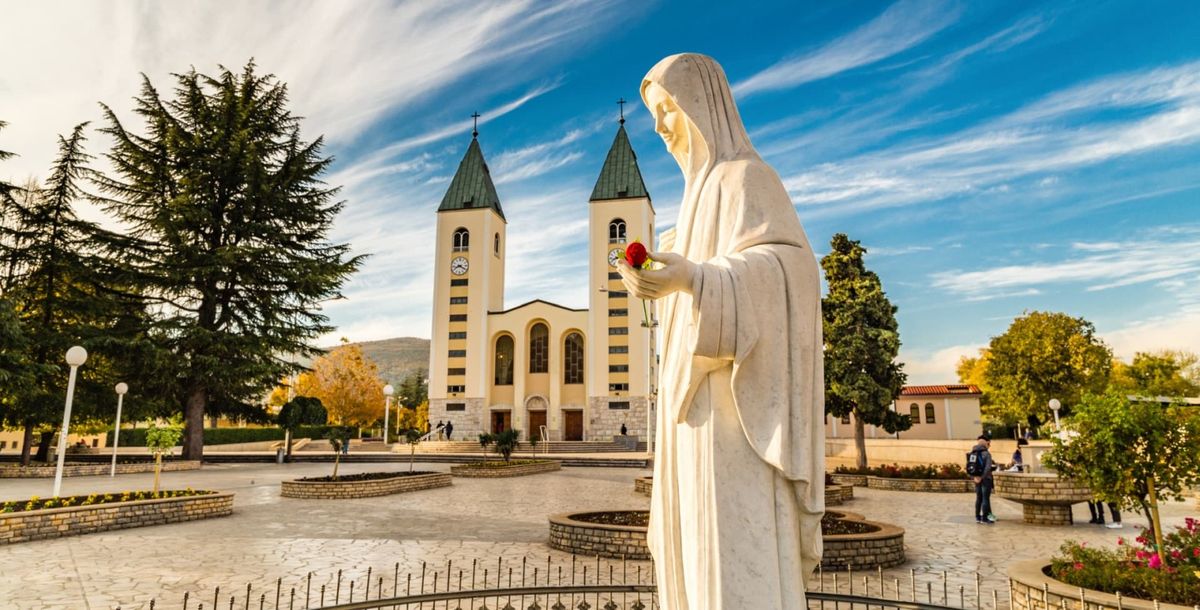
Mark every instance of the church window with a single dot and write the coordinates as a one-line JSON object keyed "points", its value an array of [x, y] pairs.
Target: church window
{"points": [[573, 359], [456, 389], [456, 371], [458, 335], [613, 275], [619, 404], [504, 360], [458, 353], [618, 330], [616, 231], [617, 294], [539, 349], [618, 387], [496, 245], [618, 368], [462, 281], [458, 317], [914, 412], [617, 313], [462, 240], [929, 419], [456, 406], [458, 300], [618, 349]]}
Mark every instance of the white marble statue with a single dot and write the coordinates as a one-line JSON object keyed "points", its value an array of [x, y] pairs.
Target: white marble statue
{"points": [[739, 470]]}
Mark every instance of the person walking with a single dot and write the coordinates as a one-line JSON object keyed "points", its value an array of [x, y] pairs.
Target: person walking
{"points": [[980, 466], [449, 430], [441, 429], [1096, 508]]}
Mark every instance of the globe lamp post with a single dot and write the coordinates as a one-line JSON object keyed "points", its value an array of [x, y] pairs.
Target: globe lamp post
{"points": [[76, 356]]}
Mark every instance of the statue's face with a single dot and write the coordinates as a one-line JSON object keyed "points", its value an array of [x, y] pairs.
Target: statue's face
{"points": [[669, 121]]}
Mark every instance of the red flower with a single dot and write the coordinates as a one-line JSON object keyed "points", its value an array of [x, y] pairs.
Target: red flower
{"points": [[1078, 566], [1120, 541], [635, 255], [1176, 554], [1196, 552]]}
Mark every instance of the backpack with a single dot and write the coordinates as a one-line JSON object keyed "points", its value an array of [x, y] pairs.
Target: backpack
{"points": [[975, 462]]}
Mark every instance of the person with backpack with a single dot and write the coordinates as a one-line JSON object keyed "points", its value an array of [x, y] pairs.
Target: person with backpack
{"points": [[979, 467]]}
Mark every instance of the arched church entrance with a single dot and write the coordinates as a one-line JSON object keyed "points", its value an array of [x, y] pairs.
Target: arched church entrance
{"points": [[536, 407]]}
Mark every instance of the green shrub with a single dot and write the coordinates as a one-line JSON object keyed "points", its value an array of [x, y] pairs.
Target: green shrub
{"points": [[1134, 569]]}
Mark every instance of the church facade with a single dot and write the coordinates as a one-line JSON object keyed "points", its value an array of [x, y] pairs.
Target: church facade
{"points": [[552, 372]]}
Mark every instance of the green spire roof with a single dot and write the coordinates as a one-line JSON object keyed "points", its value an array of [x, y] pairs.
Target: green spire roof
{"points": [[472, 184], [620, 178]]}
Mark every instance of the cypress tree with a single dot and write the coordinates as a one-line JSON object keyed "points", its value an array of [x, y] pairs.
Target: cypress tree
{"points": [[862, 339], [227, 222]]}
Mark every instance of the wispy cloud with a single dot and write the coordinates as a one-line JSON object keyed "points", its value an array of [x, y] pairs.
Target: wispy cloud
{"points": [[902, 26], [1170, 253]]}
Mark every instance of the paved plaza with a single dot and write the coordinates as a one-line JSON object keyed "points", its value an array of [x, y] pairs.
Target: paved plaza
{"points": [[270, 537]]}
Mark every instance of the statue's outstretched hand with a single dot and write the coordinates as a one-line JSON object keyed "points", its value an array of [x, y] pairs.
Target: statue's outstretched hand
{"points": [[674, 274]]}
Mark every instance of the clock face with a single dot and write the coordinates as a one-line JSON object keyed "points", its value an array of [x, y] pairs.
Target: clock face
{"points": [[614, 255], [459, 265]]}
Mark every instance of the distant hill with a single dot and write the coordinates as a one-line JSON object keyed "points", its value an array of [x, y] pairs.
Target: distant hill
{"points": [[397, 357]]}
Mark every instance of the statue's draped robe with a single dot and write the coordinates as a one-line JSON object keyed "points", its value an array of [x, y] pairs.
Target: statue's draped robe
{"points": [[739, 475]]}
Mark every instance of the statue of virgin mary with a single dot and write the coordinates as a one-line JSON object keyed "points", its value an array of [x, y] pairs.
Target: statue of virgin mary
{"points": [[739, 468]]}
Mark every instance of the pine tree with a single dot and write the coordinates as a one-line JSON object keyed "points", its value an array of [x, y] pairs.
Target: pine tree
{"points": [[862, 339], [227, 235]]}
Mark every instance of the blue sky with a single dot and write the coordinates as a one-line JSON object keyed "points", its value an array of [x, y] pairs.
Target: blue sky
{"points": [[994, 157]]}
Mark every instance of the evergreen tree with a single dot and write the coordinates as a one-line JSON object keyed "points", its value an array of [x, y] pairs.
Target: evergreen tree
{"points": [[862, 377], [227, 222], [57, 291]]}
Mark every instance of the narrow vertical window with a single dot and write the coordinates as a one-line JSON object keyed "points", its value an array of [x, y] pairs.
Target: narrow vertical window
{"points": [[539, 349], [915, 413], [504, 360], [462, 240], [929, 418], [616, 231], [496, 245], [573, 359]]}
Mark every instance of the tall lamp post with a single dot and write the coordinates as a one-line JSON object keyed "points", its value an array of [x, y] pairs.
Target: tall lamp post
{"points": [[1055, 406], [122, 388], [388, 390], [76, 356]]}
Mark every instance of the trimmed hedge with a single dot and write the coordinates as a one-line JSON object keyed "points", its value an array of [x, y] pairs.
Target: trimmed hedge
{"points": [[136, 437]]}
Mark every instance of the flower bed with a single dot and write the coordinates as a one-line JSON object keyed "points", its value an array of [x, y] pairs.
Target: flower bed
{"points": [[896, 471], [513, 468], [85, 470], [613, 534], [38, 519], [365, 485], [1135, 568], [851, 540], [942, 478]]}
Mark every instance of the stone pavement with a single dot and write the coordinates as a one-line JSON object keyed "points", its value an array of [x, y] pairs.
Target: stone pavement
{"points": [[271, 537]]}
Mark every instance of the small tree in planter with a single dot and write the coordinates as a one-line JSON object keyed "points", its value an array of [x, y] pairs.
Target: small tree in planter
{"points": [[507, 442], [339, 438], [300, 411], [160, 440], [486, 439], [1130, 452], [413, 436]]}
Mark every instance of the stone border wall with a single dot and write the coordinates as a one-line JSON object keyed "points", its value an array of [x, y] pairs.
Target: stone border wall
{"points": [[341, 490], [1045, 497], [838, 494], [88, 470], [644, 485], [893, 484], [76, 520], [882, 548], [612, 541], [493, 472], [1032, 589]]}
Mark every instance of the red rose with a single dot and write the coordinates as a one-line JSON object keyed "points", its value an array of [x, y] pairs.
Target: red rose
{"points": [[635, 255]]}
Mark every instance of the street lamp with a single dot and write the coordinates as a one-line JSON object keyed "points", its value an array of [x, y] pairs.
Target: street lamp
{"points": [[388, 390], [76, 356], [1055, 406], [122, 388]]}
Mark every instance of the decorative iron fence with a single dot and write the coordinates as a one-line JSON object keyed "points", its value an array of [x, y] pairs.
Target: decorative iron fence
{"points": [[570, 583]]}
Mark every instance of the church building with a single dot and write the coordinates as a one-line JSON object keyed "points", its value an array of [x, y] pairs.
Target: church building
{"points": [[552, 372]]}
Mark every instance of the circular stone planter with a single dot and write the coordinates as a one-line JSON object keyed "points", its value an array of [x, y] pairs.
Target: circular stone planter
{"points": [[86, 470], [881, 547], [397, 482], [643, 485], [1045, 497], [1032, 589], [838, 494], [46, 523], [518, 468], [590, 534]]}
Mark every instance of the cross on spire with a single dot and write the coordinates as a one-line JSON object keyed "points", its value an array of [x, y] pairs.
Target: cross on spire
{"points": [[475, 125], [621, 103]]}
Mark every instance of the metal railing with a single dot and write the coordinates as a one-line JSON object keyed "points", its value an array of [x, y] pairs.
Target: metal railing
{"points": [[571, 583]]}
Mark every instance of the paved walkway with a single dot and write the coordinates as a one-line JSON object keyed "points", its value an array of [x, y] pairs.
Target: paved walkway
{"points": [[271, 537]]}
